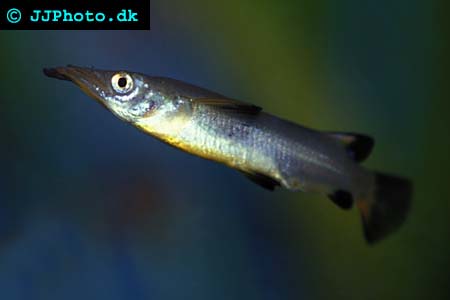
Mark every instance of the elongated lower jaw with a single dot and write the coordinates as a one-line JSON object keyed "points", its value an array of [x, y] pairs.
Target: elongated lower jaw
{"points": [[87, 79], [54, 73], [79, 75]]}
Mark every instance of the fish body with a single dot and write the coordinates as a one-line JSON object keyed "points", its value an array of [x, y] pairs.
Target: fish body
{"points": [[297, 157], [267, 149]]}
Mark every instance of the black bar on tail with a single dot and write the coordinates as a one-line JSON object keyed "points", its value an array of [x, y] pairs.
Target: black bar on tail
{"points": [[387, 209]]}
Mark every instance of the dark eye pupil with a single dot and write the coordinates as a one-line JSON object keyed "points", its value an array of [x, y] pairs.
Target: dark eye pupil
{"points": [[122, 82]]}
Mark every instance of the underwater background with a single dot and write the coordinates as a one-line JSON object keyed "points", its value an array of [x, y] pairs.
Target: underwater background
{"points": [[91, 208]]}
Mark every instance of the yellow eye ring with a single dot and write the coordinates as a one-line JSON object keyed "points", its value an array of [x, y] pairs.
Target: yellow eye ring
{"points": [[122, 82]]}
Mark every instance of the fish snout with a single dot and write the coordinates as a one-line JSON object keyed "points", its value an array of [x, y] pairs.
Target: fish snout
{"points": [[91, 81]]}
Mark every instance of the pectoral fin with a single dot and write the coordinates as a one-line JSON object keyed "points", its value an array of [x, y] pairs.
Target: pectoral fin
{"points": [[229, 105]]}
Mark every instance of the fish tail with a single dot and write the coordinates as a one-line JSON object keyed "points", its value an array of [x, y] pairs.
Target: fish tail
{"points": [[385, 208]]}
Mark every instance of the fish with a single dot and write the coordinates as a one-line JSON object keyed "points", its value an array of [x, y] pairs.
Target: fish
{"points": [[270, 151]]}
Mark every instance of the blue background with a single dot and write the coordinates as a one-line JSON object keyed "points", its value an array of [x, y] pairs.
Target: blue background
{"points": [[92, 208]]}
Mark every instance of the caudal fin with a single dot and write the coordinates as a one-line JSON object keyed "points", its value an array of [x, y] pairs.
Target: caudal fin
{"points": [[386, 208]]}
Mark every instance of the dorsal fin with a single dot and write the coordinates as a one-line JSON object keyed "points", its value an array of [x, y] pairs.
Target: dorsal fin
{"points": [[359, 146], [229, 105]]}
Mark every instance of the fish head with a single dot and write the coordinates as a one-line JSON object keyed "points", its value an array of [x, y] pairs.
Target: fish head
{"points": [[133, 97]]}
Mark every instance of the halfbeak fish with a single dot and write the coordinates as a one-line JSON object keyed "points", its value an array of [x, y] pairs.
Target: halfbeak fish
{"points": [[268, 150]]}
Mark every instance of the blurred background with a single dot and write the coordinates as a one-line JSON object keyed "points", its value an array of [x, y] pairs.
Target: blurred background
{"points": [[91, 208]]}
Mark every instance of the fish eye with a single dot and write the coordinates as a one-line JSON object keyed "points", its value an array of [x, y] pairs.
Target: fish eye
{"points": [[122, 82]]}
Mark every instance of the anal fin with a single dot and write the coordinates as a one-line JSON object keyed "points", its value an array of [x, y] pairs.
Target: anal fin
{"points": [[342, 198], [262, 180]]}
